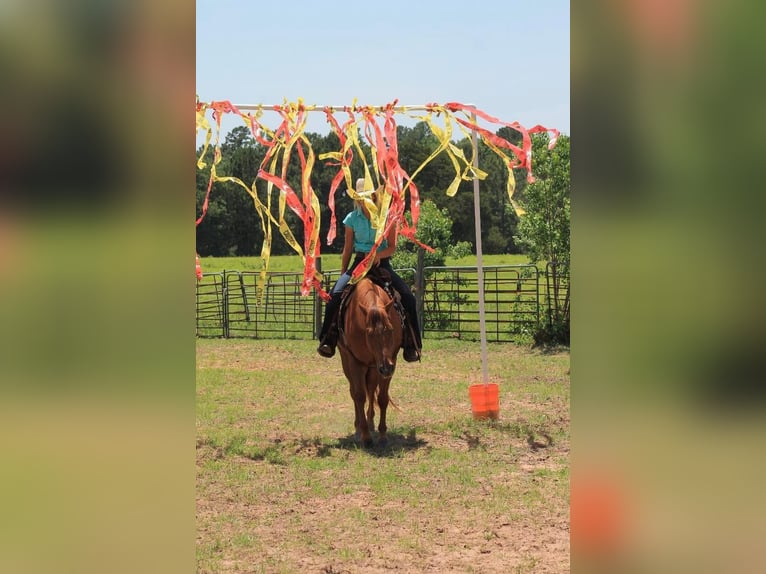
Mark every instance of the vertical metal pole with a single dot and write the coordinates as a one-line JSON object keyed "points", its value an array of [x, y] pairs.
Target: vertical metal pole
{"points": [[420, 289], [479, 262], [225, 309], [318, 305]]}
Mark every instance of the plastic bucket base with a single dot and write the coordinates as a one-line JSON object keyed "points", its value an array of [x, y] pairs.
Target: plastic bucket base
{"points": [[485, 401]]}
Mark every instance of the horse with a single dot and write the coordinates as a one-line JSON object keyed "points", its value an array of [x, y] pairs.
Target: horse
{"points": [[369, 342]]}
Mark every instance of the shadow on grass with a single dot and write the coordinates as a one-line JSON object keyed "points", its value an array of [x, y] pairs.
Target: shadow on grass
{"points": [[398, 443]]}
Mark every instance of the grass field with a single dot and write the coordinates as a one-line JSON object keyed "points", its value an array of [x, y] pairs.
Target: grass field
{"points": [[282, 485], [329, 262]]}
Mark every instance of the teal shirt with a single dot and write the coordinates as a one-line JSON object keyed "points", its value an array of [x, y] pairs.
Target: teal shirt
{"points": [[364, 234]]}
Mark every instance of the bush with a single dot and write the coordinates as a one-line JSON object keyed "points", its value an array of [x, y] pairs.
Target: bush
{"points": [[460, 250], [409, 259], [434, 230], [552, 334]]}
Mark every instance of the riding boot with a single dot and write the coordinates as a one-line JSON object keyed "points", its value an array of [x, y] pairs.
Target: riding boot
{"points": [[409, 344], [329, 341], [328, 335]]}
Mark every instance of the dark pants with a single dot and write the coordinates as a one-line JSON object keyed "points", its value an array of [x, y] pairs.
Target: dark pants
{"points": [[408, 299]]}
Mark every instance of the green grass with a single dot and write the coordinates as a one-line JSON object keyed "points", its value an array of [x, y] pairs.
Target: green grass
{"points": [[283, 486], [289, 263], [511, 315], [331, 261]]}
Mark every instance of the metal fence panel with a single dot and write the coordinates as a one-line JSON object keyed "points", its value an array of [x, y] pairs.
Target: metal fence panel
{"points": [[515, 296], [281, 314], [451, 301], [210, 305]]}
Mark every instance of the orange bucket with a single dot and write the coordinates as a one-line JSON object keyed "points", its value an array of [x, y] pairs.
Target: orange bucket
{"points": [[485, 401]]}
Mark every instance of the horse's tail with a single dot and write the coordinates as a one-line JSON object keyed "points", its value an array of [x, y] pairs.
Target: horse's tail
{"points": [[391, 402]]}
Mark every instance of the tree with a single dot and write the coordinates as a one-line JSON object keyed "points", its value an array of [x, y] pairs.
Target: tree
{"points": [[498, 224], [544, 230], [231, 225], [434, 230]]}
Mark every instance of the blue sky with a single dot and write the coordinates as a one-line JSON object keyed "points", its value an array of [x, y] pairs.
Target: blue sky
{"points": [[509, 58]]}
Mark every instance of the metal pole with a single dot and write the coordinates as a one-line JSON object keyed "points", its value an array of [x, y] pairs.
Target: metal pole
{"points": [[318, 305], [315, 108], [479, 262], [420, 285]]}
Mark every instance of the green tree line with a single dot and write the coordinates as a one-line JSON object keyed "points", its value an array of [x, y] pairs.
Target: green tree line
{"points": [[232, 225]]}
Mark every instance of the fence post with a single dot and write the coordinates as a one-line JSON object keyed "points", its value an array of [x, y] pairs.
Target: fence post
{"points": [[244, 297], [420, 287], [225, 293], [537, 291], [318, 304]]}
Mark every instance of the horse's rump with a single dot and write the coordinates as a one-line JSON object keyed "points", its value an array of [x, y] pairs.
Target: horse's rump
{"points": [[377, 276], [370, 319]]}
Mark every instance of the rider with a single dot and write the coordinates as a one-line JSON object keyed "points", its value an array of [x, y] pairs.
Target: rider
{"points": [[359, 238]]}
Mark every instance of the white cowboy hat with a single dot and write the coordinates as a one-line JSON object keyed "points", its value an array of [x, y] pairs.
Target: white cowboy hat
{"points": [[360, 187]]}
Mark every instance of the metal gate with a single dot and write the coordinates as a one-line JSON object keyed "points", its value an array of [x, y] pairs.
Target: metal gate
{"points": [[451, 301]]}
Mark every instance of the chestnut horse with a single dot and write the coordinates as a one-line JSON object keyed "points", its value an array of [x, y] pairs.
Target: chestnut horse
{"points": [[370, 338]]}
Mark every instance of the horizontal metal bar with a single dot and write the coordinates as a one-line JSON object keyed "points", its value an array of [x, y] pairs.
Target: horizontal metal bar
{"points": [[317, 108]]}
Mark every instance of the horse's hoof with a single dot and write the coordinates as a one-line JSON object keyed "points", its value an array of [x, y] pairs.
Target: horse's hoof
{"points": [[367, 443], [383, 441]]}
